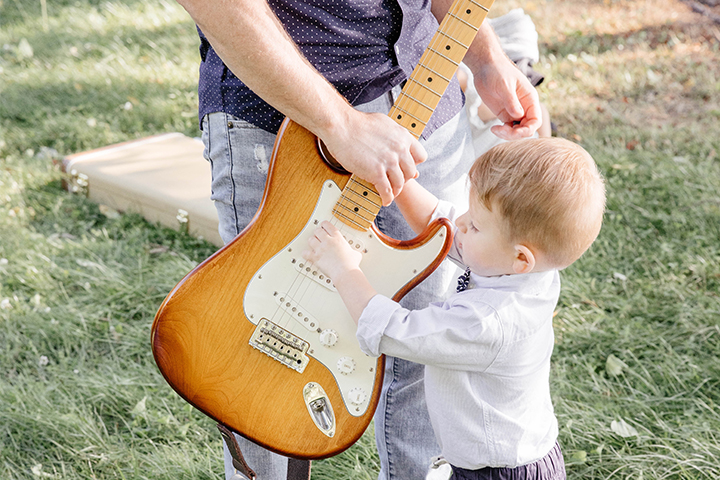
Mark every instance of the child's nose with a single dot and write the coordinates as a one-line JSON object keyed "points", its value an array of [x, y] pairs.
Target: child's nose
{"points": [[461, 222]]}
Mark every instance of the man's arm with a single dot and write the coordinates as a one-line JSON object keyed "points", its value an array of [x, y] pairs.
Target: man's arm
{"points": [[502, 86], [252, 42]]}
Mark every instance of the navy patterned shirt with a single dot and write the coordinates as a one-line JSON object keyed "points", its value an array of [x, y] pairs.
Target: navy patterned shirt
{"points": [[364, 48]]}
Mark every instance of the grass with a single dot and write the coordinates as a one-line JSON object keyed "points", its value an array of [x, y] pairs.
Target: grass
{"points": [[637, 361]]}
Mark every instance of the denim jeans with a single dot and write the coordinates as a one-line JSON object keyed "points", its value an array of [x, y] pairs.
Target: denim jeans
{"points": [[239, 154]]}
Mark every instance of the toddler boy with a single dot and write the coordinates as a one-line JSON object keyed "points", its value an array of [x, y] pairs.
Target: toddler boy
{"points": [[535, 207]]}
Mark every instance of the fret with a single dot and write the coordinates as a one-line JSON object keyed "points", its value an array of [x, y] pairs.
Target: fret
{"points": [[359, 206], [443, 56], [355, 212], [366, 187], [360, 203], [350, 222], [422, 84], [454, 40], [365, 191], [480, 5], [418, 102], [433, 71], [463, 21], [396, 107]]}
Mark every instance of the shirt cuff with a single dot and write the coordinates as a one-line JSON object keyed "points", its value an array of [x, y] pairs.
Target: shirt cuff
{"points": [[444, 209], [372, 323]]}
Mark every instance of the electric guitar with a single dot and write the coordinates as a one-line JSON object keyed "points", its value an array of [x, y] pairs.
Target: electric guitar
{"points": [[256, 337]]}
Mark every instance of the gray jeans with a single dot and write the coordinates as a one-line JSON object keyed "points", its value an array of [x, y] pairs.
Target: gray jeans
{"points": [[239, 154]]}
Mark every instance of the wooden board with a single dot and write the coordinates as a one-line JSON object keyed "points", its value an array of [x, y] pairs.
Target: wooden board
{"points": [[158, 177]]}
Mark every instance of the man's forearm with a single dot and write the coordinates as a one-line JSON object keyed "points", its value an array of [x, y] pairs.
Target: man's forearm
{"points": [[251, 41]]}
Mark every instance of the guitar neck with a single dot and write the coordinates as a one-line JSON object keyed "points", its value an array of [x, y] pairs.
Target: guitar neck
{"points": [[360, 203]]}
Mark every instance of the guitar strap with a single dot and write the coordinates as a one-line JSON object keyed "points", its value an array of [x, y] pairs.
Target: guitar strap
{"points": [[297, 469]]}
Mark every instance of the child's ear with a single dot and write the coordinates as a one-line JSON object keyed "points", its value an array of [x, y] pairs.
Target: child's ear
{"points": [[524, 261]]}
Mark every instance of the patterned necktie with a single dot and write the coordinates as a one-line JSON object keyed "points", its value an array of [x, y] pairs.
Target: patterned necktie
{"points": [[463, 281]]}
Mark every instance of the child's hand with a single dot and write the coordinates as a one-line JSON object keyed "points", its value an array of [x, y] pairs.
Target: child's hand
{"points": [[330, 252]]}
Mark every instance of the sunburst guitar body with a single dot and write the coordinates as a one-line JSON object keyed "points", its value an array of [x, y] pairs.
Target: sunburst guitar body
{"points": [[256, 337]]}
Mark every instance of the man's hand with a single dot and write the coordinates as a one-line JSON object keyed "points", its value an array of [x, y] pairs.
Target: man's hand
{"points": [[510, 96], [376, 149]]}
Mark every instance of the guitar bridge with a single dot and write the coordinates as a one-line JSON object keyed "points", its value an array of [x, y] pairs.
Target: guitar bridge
{"points": [[281, 345]]}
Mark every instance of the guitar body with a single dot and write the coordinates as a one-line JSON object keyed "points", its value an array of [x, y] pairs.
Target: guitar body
{"points": [[260, 341]]}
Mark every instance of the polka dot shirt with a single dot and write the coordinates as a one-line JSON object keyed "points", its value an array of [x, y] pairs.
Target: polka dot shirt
{"points": [[363, 47]]}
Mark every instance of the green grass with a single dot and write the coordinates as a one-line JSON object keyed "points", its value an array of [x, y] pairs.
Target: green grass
{"points": [[638, 326]]}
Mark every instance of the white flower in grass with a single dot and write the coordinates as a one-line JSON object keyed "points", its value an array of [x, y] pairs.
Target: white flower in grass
{"points": [[623, 428], [37, 471], [3, 261], [44, 360], [5, 304]]}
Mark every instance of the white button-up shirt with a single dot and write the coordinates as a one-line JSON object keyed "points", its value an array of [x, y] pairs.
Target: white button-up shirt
{"points": [[487, 354]]}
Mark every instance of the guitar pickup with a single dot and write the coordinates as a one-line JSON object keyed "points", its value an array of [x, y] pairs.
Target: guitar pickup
{"points": [[293, 309], [314, 273], [281, 345]]}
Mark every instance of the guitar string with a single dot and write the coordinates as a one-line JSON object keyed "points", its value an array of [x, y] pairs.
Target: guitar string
{"points": [[433, 63], [298, 290], [307, 287], [284, 318]]}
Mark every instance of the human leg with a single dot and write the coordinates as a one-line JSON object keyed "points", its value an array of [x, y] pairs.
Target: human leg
{"points": [[403, 432], [239, 154]]}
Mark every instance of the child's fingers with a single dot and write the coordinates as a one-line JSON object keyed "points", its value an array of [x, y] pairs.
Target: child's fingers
{"points": [[328, 228]]}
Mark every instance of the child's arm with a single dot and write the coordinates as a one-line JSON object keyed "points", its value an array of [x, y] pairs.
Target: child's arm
{"points": [[329, 250], [417, 205]]}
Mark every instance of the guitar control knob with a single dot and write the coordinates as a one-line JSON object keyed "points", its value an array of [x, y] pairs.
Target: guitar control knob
{"points": [[328, 337], [346, 365], [357, 396]]}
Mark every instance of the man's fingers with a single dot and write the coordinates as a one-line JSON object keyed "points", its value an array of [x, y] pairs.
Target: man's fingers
{"points": [[396, 179], [417, 151], [515, 131]]}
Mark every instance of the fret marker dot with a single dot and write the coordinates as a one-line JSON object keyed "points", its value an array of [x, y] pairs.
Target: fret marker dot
{"points": [[399, 117], [356, 209], [447, 47], [413, 125], [429, 79], [365, 194], [468, 11]]}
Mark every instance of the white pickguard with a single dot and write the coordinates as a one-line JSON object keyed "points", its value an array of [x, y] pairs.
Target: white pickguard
{"points": [[311, 305]]}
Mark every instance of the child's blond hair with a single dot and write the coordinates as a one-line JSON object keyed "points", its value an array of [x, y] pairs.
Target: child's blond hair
{"points": [[548, 190]]}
